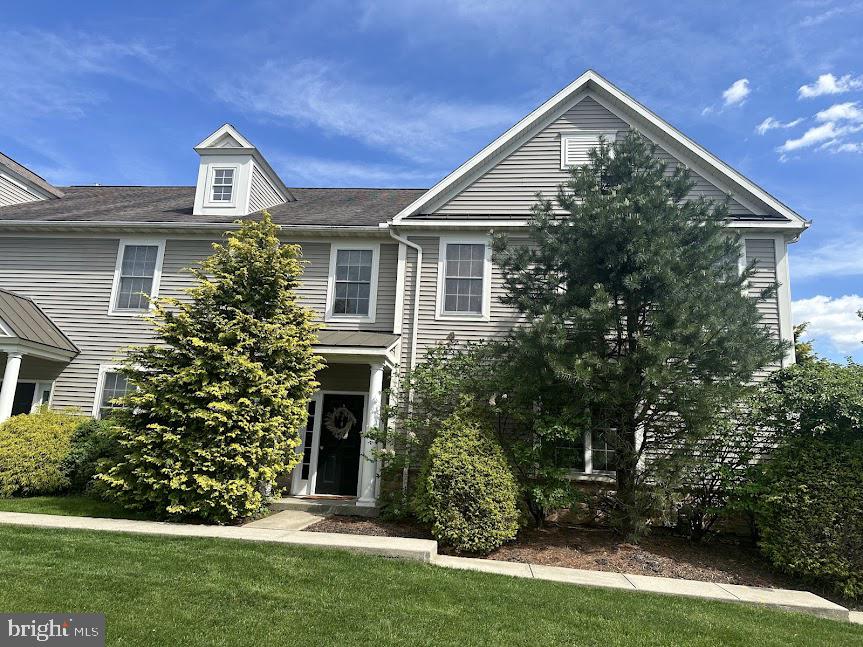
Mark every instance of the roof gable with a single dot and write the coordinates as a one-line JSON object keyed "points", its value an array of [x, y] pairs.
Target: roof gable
{"points": [[24, 176], [602, 105]]}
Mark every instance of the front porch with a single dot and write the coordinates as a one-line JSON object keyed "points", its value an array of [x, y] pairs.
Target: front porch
{"points": [[33, 352], [338, 459]]}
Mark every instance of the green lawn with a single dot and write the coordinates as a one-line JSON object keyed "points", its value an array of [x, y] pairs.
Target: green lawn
{"points": [[72, 506], [178, 591]]}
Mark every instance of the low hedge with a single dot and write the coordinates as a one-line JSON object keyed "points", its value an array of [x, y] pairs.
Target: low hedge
{"points": [[466, 489], [93, 443], [32, 448], [809, 512]]}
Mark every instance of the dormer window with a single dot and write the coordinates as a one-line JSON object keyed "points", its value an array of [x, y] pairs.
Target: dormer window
{"points": [[223, 185]]}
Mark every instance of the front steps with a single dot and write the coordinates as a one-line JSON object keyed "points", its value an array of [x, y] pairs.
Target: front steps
{"points": [[344, 506]]}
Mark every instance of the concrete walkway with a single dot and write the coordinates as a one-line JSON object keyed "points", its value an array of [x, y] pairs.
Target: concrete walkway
{"points": [[284, 531], [417, 549], [286, 520], [785, 599]]}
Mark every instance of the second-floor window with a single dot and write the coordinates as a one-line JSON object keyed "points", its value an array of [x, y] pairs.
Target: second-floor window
{"points": [[353, 282], [136, 278], [353, 279], [463, 279], [223, 185]]}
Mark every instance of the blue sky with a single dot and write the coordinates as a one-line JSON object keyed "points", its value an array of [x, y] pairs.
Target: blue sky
{"points": [[397, 93]]}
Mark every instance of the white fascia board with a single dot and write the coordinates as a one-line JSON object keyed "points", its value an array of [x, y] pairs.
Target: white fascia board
{"points": [[221, 131], [545, 113]]}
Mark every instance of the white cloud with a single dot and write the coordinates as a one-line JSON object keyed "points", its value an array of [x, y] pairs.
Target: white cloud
{"points": [[829, 84], [736, 94], [772, 124], [393, 119], [832, 320], [841, 112], [43, 73], [838, 121], [816, 135], [298, 170], [837, 257]]}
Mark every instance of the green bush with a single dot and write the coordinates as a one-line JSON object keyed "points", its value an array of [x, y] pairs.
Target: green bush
{"points": [[466, 490], [93, 442], [809, 511], [32, 447], [807, 498], [212, 421]]}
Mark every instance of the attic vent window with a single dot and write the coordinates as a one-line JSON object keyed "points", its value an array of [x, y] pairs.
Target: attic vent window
{"points": [[574, 147], [223, 185]]}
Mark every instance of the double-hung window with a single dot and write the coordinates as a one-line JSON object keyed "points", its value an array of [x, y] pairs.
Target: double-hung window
{"points": [[352, 283], [222, 187], [463, 279], [112, 385], [136, 276], [590, 453]]}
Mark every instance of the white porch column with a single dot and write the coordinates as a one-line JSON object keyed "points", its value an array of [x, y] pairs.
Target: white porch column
{"points": [[10, 382], [369, 466]]}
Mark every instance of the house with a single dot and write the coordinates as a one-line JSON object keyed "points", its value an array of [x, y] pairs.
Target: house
{"points": [[390, 271]]}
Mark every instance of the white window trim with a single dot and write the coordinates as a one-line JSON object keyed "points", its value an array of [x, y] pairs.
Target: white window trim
{"points": [[375, 249], [157, 275], [590, 474], [100, 385], [440, 313], [5, 331], [609, 135], [208, 189]]}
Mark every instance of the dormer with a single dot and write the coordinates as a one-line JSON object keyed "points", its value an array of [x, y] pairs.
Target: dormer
{"points": [[234, 179]]}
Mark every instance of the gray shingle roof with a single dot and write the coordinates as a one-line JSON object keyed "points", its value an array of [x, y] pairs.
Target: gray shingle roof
{"points": [[30, 176], [173, 204], [29, 323]]}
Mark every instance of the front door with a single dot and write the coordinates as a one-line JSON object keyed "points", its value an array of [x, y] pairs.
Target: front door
{"points": [[23, 400], [340, 442]]}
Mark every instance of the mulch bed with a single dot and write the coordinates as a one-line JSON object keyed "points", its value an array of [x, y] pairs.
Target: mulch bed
{"points": [[662, 554], [659, 554]]}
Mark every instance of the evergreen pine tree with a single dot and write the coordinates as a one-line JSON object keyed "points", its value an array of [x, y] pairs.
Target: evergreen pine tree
{"points": [[634, 299], [213, 417]]}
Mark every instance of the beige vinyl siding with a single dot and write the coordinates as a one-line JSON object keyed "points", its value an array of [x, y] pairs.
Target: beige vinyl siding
{"points": [[71, 278], [433, 331], [502, 318], [762, 252], [511, 186], [12, 192], [262, 195]]}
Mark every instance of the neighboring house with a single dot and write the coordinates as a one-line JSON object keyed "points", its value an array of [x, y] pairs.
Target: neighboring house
{"points": [[390, 271]]}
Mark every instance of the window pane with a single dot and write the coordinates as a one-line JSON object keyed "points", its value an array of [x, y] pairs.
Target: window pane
{"points": [[463, 272], [137, 269], [113, 386], [353, 281]]}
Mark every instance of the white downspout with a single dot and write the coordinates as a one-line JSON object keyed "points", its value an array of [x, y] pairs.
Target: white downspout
{"points": [[416, 304], [414, 324]]}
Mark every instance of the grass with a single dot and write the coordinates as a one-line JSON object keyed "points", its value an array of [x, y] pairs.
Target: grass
{"points": [[70, 506], [186, 591]]}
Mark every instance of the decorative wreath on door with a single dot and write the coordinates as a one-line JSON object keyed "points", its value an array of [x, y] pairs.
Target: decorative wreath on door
{"points": [[339, 422]]}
